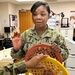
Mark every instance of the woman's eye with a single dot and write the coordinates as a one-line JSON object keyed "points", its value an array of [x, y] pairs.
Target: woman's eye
{"points": [[42, 14], [34, 14]]}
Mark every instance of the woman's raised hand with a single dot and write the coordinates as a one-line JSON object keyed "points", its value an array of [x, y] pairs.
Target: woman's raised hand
{"points": [[16, 41]]}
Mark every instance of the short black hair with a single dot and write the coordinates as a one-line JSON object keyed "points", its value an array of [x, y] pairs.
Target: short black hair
{"points": [[39, 3]]}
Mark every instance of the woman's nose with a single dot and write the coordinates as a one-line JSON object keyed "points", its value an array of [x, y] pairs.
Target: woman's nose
{"points": [[38, 16]]}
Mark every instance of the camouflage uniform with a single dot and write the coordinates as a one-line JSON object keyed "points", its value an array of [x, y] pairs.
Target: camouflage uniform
{"points": [[13, 69], [31, 38]]}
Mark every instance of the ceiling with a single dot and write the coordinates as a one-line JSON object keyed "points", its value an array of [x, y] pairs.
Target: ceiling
{"points": [[49, 1]]}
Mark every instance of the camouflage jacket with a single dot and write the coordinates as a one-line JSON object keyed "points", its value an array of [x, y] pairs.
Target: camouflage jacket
{"points": [[31, 38], [13, 69]]}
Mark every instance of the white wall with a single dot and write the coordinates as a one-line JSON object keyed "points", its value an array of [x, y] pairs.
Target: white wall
{"points": [[56, 7], [63, 7], [9, 8], [12, 11], [0, 22], [3, 16], [6, 9]]}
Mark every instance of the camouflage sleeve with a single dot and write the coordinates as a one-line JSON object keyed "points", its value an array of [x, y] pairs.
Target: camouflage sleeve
{"points": [[60, 40], [13, 69], [16, 55]]}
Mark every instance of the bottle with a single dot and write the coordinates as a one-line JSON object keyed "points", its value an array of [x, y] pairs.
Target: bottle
{"points": [[4, 52]]}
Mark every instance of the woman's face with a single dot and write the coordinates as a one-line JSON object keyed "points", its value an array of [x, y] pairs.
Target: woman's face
{"points": [[40, 16]]}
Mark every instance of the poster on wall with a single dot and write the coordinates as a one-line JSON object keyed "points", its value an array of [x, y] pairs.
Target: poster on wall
{"points": [[13, 20], [52, 22], [72, 18]]}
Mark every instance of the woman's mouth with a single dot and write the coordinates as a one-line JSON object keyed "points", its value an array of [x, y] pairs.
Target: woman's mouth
{"points": [[38, 22]]}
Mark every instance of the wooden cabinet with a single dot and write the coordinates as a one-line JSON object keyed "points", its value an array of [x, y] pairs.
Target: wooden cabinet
{"points": [[67, 32]]}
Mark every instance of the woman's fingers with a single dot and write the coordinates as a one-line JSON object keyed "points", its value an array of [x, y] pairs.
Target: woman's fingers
{"points": [[41, 56], [16, 34]]}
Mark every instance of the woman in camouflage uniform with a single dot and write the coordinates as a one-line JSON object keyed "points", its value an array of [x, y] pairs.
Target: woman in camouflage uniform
{"points": [[39, 34]]}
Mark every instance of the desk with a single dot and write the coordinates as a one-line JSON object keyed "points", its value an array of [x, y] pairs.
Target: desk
{"points": [[5, 57]]}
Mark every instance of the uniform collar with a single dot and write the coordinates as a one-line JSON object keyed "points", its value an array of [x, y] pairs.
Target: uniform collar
{"points": [[33, 31]]}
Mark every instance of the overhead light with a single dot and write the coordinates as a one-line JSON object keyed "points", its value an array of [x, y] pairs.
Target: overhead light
{"points": [[24, 0]]}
